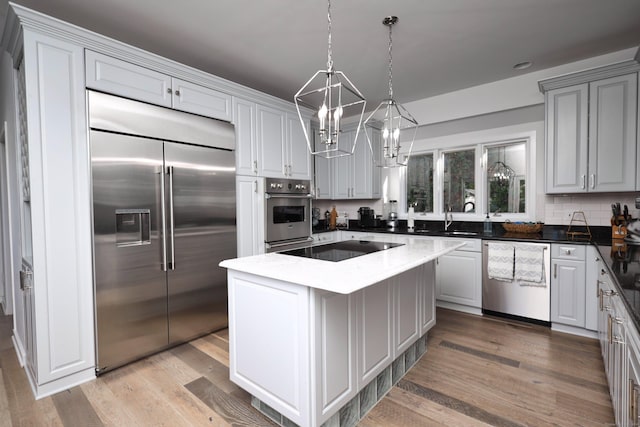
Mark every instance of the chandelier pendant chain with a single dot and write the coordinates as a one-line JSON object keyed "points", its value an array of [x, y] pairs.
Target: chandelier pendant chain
{"points": [[329, 51], [390, 25]]}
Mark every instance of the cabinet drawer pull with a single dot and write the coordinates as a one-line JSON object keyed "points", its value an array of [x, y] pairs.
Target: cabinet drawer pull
{"points": [[601, 299], [592, 180], [555, 271], [609, 329], [582, 181], [633, 402]]}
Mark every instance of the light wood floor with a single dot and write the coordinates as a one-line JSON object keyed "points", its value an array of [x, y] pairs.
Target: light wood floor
{"points": [[477, 371]]}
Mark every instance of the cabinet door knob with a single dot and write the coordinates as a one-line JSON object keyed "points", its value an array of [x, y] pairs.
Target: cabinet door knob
{"points": [[177, 93], [169, 90]]}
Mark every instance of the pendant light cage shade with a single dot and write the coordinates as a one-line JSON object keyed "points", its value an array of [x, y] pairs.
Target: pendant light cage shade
{"points": [[332, 96], [397, 129], [499, 171]]}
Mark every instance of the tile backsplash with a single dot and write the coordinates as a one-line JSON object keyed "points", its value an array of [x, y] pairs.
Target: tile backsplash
{"points": [[596, 207], [552, 209]]}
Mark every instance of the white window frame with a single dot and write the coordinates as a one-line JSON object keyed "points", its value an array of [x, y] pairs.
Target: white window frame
{"points": [[479, 141]]}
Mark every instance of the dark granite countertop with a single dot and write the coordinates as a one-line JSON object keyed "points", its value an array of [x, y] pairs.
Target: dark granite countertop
{"points": [[623, 261], [549, 234]]}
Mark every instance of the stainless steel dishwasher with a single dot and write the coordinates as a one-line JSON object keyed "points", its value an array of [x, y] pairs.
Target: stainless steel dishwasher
{"points": [[517, 299]]}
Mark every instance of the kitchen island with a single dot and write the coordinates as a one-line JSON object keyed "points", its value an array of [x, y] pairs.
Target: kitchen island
{"points": [[320, 342]]}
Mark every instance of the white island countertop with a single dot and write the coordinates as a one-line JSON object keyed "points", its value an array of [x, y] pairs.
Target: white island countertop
{"points": [[345, 276]]}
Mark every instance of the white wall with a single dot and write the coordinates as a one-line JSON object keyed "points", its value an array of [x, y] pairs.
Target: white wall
{"points": [[515, 92]]}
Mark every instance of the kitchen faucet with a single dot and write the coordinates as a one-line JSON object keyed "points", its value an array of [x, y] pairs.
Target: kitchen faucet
{"points": [[448, 217]]}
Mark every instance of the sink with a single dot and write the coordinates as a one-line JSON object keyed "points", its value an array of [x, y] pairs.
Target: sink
{"points": [[461, 233]]}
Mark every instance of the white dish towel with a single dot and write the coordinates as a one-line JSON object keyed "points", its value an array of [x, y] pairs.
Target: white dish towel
{"points": [[500, 261], [529, 265]]}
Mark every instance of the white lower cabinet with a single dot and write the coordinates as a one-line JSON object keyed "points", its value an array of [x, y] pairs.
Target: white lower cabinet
{"points": [[595, 269], [568, 284], [631, 415], [459, 278], [620, 347], [322, 348], [250, 215]]}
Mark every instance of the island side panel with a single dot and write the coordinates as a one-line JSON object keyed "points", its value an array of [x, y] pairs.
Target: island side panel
{"points": [[427, 297], [375, 319], [269, 343], [335, 350], [406, 296]]}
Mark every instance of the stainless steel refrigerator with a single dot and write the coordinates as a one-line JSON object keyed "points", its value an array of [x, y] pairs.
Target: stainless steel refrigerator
{"points": [[164, 216]]}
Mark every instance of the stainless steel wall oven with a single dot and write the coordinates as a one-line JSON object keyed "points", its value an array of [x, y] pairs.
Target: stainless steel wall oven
{"points": [[288, 214]]}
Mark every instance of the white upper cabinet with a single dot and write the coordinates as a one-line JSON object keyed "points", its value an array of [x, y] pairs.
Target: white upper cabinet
{"points": [[591, 134], [244, 113], [133, 81], [271, 137], [566, 122], [282, 150], [196, 99], [612, 133], [354, 176], [298, 154]]}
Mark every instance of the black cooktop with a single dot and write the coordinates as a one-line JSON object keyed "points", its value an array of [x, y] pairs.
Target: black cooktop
{"points": [[340, 251]]}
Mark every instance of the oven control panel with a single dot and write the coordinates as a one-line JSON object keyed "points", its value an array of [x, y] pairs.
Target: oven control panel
{"points": [[287, 186]]}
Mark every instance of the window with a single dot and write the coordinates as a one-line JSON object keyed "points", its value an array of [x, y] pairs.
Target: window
{"points": [[420, 182], [458, 182], [506, 177], [472, 180]]}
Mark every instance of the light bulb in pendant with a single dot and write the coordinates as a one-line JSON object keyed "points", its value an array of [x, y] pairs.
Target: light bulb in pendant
{"points": [[337, 114], [322, 115], [396, 135]]}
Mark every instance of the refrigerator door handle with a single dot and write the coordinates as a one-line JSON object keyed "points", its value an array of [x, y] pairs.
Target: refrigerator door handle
{"points": [[163, 219], [171, 221]]}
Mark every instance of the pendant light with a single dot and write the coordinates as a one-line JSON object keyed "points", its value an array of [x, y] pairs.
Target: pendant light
{"points": [[333, 97], [396, 125], [500, 171]]}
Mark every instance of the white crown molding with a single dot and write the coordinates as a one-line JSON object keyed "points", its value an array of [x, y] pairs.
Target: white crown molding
{"points": [[599, 73], [19, 17]]}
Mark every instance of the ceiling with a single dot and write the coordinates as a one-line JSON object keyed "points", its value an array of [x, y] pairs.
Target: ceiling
{"points": [[439, 46]]}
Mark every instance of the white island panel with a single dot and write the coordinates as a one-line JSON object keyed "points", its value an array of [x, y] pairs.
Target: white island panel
{"points": [[269, 352]]}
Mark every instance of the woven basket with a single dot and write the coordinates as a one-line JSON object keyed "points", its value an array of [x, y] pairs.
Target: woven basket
{"points": [[523, 228]]}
